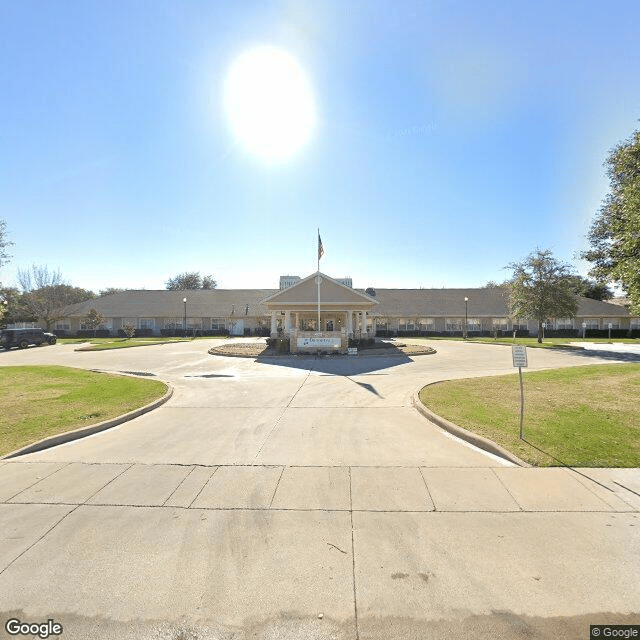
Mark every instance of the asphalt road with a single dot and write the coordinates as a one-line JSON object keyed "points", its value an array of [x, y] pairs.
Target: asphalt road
{"points": [[307, 498]]}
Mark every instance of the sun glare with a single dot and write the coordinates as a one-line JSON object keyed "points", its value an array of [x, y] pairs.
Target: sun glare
{"points": [[269, 103]]}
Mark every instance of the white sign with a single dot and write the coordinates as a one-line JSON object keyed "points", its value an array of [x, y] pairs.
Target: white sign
{"points": [[352, 351], [610, 326], [519, 353], [319, 342]]}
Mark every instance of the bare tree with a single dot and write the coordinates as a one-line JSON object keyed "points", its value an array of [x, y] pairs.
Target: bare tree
{"points": [[4, 243], [46, 295]]}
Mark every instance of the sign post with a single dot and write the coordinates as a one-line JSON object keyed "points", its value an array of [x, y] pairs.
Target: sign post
{"points": [[519, 354]]}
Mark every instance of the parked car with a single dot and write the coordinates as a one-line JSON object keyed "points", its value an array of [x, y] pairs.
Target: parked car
{"points": [[22, 338]]}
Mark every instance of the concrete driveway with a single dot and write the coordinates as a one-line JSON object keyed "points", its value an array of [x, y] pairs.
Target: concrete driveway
{"points": [[307, 498]]}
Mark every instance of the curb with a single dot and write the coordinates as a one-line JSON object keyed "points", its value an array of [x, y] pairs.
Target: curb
{"points": [[463, 434], [82, 432]]}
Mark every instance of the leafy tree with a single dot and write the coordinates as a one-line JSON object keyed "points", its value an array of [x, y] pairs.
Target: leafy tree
{"points": [[542, 288], [588, 288], [110, 290], [191, 280], [12, 305], [4, 243], [615, 233], [93, 320], [208, 282], [46, 296]]}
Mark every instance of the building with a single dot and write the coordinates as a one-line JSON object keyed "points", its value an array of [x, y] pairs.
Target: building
{"points": [[345, 312]]}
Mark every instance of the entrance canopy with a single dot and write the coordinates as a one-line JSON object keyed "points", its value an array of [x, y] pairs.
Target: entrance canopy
{"points": [[343, 310]]}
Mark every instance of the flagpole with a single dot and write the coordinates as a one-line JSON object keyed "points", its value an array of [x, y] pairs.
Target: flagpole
{"points": [[318, 279]]}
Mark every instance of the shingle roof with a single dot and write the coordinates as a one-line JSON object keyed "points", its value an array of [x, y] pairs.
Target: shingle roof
{"points": [[214, 303], [201, 303]]}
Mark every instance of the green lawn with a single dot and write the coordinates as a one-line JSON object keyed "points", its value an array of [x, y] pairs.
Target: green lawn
{"points": [[547, 343], [102, 344], [39, 401], [578, 416]]}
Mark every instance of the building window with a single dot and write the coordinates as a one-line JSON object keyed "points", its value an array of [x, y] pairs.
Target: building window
{"points": [[63, 326], [562, 323], [614, 322], [634, 323], [426, 324], [147, 323], [474, 324], [453, 324], [500, 324], [218, 324], [592, 323]]}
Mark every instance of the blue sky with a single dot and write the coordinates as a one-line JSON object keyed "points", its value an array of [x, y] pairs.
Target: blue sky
{"points": [[451, 138]]}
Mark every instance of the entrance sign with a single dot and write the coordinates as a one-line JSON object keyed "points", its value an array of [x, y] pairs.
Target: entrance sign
{"points": [[333, 343], [519, 354], [352, 351]]}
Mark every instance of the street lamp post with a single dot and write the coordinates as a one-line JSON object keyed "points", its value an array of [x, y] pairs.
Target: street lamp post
{"points": [[184, 325], [466, 320]]}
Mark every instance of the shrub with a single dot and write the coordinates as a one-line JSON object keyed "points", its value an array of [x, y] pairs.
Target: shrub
{"points": [[129, 330]]}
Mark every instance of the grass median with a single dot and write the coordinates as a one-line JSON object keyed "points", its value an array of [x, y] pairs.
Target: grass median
{"points": [[578, 416], [547, 343], [42, 401], [104, 344]]}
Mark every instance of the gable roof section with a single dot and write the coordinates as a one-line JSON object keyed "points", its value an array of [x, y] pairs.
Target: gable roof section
{"points": [[201, 303], [399, 303], [305, 292]]}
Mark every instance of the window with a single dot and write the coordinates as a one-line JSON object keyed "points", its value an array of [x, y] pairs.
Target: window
{"points": [[426, 324], [474, 324], [592, 323], [147, 323], [635, 323], [218, 324], [561, 323], [614, 322], [500, 324], [453, 324], [63, 326]]}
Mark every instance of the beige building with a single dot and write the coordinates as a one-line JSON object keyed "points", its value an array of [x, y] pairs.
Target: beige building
{"points": [[344, 312], [319, 312]]}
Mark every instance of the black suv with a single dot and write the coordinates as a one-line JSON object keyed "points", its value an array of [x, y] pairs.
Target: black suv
{"points": [[22, 338]]}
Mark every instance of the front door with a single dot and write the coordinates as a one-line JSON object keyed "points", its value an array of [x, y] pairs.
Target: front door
{"points": [[329, 325], [236, 328]]}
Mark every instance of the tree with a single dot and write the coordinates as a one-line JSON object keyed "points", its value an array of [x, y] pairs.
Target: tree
{"points": [[615, 233], [191, 280], [46, 295], [93, 320], [542, 288], [110, 290], [588, 288], [4, 243], [129, 330], [12, 306]]}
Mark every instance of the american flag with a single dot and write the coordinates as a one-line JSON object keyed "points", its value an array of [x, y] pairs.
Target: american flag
{"points": [[320, 247]]}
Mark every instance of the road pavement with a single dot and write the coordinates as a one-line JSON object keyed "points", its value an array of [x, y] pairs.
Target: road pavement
{"points": [[307, 498]]}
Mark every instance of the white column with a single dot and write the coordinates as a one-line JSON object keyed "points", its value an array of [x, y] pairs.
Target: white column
{"points": [[287, 322], [274, 326], [349, 322], [364, 322]]}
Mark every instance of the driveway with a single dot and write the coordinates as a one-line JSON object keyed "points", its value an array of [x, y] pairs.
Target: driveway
{"points": [[307, 498]]}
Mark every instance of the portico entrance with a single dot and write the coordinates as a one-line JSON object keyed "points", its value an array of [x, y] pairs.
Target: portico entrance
{"points": [[341, 311]]}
